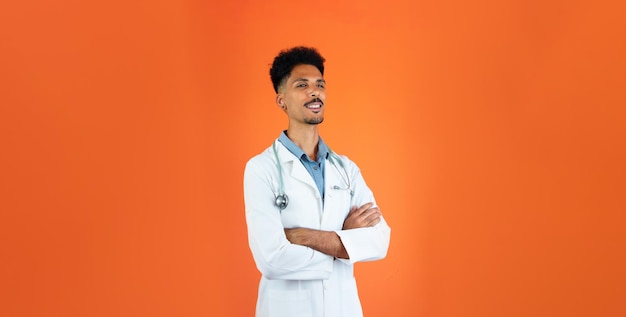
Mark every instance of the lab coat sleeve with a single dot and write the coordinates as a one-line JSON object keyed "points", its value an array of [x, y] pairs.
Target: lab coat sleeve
{"points": [[365, 244], [274, 255]]}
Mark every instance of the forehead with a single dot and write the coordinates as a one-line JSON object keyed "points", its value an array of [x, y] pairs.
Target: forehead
{"points": [[304, 71]]}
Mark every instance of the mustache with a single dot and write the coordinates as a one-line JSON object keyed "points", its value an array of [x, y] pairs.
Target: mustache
{"points": [[314, 100]]}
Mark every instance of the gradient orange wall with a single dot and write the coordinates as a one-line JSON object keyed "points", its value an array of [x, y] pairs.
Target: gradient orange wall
{"points": [[493, 134]]}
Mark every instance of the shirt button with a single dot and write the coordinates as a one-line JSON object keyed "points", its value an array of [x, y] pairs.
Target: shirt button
{"points": [[315, 168]]}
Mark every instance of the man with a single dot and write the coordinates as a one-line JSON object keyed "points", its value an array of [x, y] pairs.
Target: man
{"points": [[309, 213]]}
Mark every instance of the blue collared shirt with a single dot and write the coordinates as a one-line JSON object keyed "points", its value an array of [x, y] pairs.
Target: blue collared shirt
{"points": [[315, 168]]}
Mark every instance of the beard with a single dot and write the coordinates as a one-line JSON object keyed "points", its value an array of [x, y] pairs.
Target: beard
{"points": [[314, 121]]}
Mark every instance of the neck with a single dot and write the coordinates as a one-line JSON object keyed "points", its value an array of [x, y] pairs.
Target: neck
{"points": [[306, 137]]}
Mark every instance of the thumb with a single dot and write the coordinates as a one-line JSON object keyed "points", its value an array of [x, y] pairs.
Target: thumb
{"points": [[353, 210]]}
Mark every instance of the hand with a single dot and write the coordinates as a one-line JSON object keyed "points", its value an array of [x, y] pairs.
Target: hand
{"points": [[361, 217]]}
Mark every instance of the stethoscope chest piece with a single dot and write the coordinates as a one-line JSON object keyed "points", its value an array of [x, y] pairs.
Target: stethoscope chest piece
{"points": [[282, 201]]}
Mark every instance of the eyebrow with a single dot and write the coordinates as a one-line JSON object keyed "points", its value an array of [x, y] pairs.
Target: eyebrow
{"points": [[321, 80]]}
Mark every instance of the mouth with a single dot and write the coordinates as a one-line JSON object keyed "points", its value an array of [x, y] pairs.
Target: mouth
{"points": [[315, 104]]}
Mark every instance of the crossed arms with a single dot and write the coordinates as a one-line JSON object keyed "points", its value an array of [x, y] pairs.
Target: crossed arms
{"points": [[329, 242], [302, 253]]}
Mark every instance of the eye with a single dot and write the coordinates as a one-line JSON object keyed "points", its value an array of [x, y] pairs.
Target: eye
{"points": [[301, 85], [321, 85]]}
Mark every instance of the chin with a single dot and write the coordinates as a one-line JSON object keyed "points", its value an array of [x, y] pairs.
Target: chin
{"points": [[314, 121]]}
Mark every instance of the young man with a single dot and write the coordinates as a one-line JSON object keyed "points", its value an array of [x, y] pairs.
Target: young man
{"points": [[309, 213]]}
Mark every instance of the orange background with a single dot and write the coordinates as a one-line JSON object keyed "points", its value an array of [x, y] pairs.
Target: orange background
{"points": [[493, 134]]}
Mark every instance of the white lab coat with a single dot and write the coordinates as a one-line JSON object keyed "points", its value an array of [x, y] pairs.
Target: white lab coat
{"points": [[297, 280]]}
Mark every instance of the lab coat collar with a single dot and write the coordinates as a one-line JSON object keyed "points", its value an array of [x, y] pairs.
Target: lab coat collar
{"points": [[294, 167]]}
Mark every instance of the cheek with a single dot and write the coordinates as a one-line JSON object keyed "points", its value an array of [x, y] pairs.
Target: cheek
{"points": [[296, 101], [289, 103]]}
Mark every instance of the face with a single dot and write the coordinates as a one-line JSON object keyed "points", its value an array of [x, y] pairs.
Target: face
{"points": [[303, 95]]}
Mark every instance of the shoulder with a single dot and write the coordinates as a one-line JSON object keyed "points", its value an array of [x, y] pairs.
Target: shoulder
{"points": [[262, 159], [261, 167]]}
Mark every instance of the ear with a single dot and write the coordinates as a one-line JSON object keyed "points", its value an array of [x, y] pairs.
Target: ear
{"points": [[280, 102]]}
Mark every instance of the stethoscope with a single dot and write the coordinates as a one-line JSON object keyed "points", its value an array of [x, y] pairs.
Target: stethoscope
{"points": [[282, 200]]}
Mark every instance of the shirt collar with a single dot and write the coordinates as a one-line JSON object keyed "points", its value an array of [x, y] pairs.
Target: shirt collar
{"points": [[322, 148]]}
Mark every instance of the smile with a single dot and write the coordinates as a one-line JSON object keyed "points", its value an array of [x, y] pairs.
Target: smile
{"points": [[314, 104]]}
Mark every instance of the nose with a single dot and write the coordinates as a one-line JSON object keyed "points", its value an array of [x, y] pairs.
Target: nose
{"points": [[315, 92]]}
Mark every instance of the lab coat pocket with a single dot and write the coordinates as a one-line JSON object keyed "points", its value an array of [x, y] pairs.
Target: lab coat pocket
{"points": [[290, 303]]}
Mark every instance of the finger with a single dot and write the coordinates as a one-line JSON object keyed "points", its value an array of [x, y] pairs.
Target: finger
{"points": [[374, 222], [364, 208], [353, 210], [369, 212], [373, 217]]}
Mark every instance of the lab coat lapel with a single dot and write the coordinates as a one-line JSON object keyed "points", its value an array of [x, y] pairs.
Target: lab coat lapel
{"points": [[296, 169]]}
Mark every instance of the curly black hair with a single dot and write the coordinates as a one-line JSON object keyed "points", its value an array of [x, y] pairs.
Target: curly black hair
{"points": [[287, 59]]}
